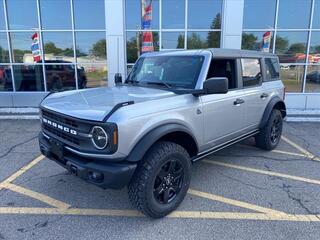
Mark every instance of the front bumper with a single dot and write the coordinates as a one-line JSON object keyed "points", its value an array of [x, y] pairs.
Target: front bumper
{"points": [[98, 172]]}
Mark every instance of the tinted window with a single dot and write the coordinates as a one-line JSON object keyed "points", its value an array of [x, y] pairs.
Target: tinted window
{"points": [[251, 72], [272, 68]]}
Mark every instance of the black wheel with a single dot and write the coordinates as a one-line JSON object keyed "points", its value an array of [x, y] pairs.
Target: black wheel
{"points": [[270, 135], [161, 180]]}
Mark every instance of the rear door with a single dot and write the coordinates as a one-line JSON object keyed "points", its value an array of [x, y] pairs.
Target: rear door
{"points": [[255, 96]]}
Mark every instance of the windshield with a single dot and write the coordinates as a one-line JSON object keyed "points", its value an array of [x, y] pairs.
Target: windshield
{"points": [[170, 71]]}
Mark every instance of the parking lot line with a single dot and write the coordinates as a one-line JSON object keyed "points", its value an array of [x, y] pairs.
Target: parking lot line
{"points": [[39, 196], [270, 173], [289, 153], [301, 149], [175, 214], [233, 202], [22, 170]]}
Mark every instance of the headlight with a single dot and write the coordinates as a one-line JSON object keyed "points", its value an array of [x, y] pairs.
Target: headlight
{"points": [[99, 137]]}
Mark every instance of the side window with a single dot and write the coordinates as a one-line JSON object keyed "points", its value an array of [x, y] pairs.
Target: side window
{"points": [[272, 69], [224, 68], [251, 72]]}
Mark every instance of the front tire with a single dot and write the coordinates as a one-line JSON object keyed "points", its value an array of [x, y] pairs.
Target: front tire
{"points": [[270, 134], [161, 180]]}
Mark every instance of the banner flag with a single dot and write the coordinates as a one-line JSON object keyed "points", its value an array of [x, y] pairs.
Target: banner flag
{"points": [[147, 38], [35, 48], [266, 40]]}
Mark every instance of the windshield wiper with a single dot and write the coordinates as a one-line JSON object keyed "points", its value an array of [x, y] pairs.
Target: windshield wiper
{"points": [[161, 83], [131, 81]]}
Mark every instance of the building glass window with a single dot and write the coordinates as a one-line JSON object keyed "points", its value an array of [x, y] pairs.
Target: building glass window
{"points": [[89, 14], [314, 49], [172, 40], [5, 78], [259, 14], [21, 47], [2, 20], [4, 52], [203, 39], [91, 47], [22, 14], [254, 41], [204, 14], [313, 79], [92, 75], [60, 76], [291, 46], [292, 76], [173, 14], [58, 46], [316, 15], [55, 14], [294, 14], [28, 77]]}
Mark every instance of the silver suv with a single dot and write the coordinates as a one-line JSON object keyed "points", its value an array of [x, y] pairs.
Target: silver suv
{"points": [[173, 109]]}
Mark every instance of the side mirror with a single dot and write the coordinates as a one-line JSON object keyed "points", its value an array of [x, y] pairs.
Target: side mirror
{"points": [[117, 78], [216, 85]]}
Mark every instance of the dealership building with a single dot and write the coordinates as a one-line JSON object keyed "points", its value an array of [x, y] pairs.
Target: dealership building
{"points": [[56, 45]]}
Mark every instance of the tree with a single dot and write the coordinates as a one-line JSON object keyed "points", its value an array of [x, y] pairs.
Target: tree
{"points": [[281, 44], [297, 48], [50, 47], [99, 48], [195, 42], [213, 38], [249, 42], [180, 41]]}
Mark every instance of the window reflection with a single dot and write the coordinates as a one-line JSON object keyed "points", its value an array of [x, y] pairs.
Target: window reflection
{"points": [[91, 47], [2, 21], [197, 40], [204, 14], [55, 14], [316, 15], [4, 52], [291, 46], [172, 40], [254, 41], [28, 77], [22, 14], [259, 14], [133, 14], [134, 43], [313, 78], [95, 75], [21, 45], [314, 52], [61, 77], [292, 77], [58, 46], [5, 78], [294, 14], [89, 14], [173, 14]]}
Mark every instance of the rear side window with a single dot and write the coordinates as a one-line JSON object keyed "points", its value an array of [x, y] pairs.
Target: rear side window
{"points": [[251, 72], [272, 69]]}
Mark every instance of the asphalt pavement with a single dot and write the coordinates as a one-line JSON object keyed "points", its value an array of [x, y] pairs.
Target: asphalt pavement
{"points": [[241, 192]]}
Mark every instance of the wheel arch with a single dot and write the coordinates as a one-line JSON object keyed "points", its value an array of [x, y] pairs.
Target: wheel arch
{"points": [[274, 103], [173, 132]]}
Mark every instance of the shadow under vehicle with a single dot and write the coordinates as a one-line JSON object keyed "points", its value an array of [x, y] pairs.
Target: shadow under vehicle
{"points": [[59, 75]]}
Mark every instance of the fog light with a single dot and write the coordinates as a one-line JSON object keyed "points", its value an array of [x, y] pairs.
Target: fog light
{"points": [[95, 176]]}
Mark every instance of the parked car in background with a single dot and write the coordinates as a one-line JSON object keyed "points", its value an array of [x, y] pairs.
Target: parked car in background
{"points": [[313, 76]]}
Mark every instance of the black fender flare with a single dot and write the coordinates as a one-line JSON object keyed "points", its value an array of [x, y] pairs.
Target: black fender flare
{"points": [[144, 144], [271, 105]]}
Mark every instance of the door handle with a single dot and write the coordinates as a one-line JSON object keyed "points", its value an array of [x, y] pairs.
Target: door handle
{"points": [[264, 95], [238, 101]]}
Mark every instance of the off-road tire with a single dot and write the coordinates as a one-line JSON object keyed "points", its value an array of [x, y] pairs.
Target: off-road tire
{"points": [[141, 187], [264, 138]]}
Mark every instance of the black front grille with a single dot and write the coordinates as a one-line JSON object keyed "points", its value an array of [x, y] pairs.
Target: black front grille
{"points": [[60, 119], [61, 135]]}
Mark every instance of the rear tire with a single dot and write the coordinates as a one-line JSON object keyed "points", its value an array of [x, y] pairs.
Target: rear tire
{"points": [[270, 134], [161, 180]]}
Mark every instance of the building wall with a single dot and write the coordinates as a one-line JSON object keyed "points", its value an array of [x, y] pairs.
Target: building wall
{"points": [[102, 38]]}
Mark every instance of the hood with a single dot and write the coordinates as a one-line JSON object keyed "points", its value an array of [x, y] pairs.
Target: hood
{"points": [[96, 103]]}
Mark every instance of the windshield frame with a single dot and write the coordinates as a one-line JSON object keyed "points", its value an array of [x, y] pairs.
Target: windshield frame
{"points": [[201, 74]]}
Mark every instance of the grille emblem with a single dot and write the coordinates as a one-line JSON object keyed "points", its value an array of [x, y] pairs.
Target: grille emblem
{"points": [[59, 126]]}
